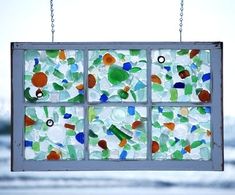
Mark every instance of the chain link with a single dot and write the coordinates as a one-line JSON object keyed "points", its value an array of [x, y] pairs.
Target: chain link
{"points": [[52, 21], [181, 19]]}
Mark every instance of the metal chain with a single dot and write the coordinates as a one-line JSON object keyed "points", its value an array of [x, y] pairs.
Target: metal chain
{"points": [[181, 18], [52, 21]]}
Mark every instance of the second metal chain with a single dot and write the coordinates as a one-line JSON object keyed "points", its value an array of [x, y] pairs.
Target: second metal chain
{"points": [[181, 19], [52, 21]]}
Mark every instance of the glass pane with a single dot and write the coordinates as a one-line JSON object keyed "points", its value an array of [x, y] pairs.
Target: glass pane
{"points": [[54, 76], [181, 133], [54, 133], [117, 132], [181, 75], [117, 76]]}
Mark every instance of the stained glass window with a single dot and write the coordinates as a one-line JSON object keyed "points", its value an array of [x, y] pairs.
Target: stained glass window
{"points": [[53, 76], [181, 133], [117, 76], [117, 132], [181, 75], [117, 106], [54, 133]]}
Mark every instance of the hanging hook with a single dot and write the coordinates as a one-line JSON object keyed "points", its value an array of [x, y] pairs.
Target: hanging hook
{"points": [[52, 21]]}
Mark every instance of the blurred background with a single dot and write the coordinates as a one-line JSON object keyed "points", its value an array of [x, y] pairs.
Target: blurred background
{"points": [[112, 20]]}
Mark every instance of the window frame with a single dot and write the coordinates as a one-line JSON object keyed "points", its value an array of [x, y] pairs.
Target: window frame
{"points": [[18, 104]]}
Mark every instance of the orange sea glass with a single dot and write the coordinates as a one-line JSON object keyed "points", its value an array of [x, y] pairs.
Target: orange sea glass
{"points": [[39, 79], [108, 59], [155, 147]]}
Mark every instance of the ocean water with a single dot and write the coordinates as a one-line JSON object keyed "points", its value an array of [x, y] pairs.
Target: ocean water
{"points": [[116, 182]]}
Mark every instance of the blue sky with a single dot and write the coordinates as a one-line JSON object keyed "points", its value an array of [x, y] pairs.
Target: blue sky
{"points": [[112, 20]]}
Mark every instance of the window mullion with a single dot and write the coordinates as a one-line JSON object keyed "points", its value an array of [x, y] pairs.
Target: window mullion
{"points": [[85, 106], [149, 105]]}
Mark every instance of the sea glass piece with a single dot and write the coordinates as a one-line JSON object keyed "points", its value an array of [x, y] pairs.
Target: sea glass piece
{"points": [[123, 155], [117, 133], [193, 53], [116, 75], [108, 59], [127, 66], [103, 144], [156, 79], [39, 79], [103, 98], [131, 110], [53, 155], [180, 75], [181, 135], [28, 121], [91, 80], [54, 133], [155, 146], [123, 94], [53, 75], [119, 74], [204, 96]]}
